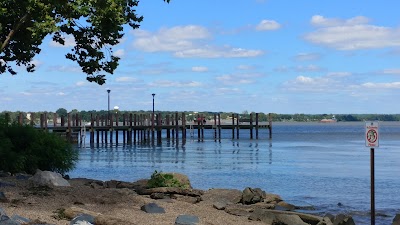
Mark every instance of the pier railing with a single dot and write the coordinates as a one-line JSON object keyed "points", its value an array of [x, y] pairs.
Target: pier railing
{"points": [[139, 128]]}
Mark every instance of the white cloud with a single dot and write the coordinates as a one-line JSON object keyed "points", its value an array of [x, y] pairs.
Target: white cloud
{"points": [[185, 42], [81, 83], [176, 84], [268, 25], [60, 93], [309, 68], [307, 56], [199, 69], [236, 79], [67, 69], [225, 52], [119, 53], [352, 34], [393, 85], [69, 42], [172, 39], [392, 71], [245, 67], [127, 79], [313, 84], [318, 20]]}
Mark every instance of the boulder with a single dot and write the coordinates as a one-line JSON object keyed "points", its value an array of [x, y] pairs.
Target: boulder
{"points": [[342, 219], [152, 208], [182, 178], [396, 220], [187, 220], [284, 206], [271, 217], [222, 196], [48, 178], [252, 196], [272, 198], [89, 219]]}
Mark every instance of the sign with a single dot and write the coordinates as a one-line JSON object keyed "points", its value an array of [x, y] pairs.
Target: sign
{"points": [[371, 134]]}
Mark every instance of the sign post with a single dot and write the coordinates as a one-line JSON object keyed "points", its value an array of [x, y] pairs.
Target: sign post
{"points": [[372, 141]]}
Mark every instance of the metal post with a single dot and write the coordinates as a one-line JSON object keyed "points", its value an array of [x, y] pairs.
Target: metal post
{"points": [[372, 186], [108, 117], [152, 120]]}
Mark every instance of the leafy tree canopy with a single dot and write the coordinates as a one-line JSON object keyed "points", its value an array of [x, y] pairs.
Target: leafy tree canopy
{"points": [[62, 112], [96, 26]]}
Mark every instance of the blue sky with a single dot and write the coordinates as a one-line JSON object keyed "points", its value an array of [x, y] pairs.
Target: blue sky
{"points": [[280, 56]]}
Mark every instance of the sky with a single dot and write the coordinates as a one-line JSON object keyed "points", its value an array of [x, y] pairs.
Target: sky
{"points": [[269, 56]]}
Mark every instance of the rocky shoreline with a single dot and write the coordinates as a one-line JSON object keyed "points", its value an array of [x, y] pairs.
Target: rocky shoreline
{"points": [[47, 198]]}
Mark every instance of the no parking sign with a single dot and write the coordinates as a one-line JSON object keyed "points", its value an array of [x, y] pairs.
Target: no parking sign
{"points": [[371, 134]]}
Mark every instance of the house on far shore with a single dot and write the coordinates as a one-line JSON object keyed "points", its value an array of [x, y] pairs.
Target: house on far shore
{"points": [[332, 120]]}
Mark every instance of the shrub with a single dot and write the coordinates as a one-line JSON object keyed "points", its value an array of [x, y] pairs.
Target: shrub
{"points": [[159, 179], [24, 148]]}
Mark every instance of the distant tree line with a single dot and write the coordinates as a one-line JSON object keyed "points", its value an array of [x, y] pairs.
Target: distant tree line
{"points": [[192, 115]]}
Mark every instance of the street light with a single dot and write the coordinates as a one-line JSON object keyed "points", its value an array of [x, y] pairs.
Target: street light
{"points": [[153, 107], [108, 91]]}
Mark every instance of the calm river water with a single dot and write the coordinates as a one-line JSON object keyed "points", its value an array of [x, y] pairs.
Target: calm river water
{"points": [[306, 163]]}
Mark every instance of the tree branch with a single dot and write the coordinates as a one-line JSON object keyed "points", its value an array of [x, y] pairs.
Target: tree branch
{"points": [[13, 31]]}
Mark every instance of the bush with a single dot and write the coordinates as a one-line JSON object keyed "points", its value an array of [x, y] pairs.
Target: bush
{"points": [[159, 179], [25, 149]]}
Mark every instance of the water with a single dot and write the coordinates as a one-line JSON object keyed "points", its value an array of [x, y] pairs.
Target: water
{"points": [[324, 165]]}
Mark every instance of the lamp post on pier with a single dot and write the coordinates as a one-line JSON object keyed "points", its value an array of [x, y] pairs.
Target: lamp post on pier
{"points": [[108, 115], [152, 119]]}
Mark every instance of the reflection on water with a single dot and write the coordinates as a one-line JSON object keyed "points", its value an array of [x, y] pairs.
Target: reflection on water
{"points": [[318, 164]]}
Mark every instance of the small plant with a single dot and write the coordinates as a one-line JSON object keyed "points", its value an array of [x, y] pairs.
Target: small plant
{"points": [[60, 214], [159, 179]]}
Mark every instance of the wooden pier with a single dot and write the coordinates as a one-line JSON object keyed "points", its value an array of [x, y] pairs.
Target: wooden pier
{"points": [[142, 128]]}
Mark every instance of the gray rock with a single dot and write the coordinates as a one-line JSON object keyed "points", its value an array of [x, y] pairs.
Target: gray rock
{"points": [[187, 220], [396, 220], [289, 219], [220, 205], [270, 217], [48, 178], [284, 206], [252, 196], [82, 217], [20, 219], [342, 219], [7, 221], [226, 196], [152, 208]]}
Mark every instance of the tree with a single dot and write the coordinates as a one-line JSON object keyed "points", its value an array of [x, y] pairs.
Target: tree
{"points": [[62, 112], [96, 26]]}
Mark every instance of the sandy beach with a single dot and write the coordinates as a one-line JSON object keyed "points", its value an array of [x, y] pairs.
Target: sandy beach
{"points": [[122, 204]]}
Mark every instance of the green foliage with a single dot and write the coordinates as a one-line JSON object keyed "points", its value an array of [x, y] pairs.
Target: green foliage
{"points": [[62, 112], [159, 179], [96, 26], [24, 148]]}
